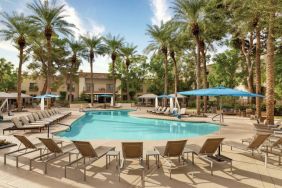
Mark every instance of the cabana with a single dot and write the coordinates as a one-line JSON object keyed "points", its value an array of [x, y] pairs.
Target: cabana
{"points": [[149, 96], [7, 96]]}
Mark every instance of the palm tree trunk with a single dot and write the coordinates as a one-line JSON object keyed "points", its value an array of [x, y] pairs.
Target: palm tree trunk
{"points": [[92, 80], [70, 89], [198, 74], [49, 67], [114, 82], [205, 80], [270, 70], [175, 78], [165, 78], [127, 83], [44, 89], [250, 77], [19, 87], [258, 73]]}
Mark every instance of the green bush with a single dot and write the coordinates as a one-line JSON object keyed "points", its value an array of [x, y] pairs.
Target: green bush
{"points": [[63, 95]]}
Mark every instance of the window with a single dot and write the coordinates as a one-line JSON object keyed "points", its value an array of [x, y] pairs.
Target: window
{"points": [[33, 87], [109, 87], [88, 87]]}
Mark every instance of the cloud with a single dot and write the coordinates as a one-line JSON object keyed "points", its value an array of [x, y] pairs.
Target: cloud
{"points": [[83, 25], [160, 10], [101, 64], [8, 46]]}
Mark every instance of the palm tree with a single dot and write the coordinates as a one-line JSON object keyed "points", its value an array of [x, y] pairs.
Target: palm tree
{"points": [[188, 15], [128, 52], [94, 47], [50, 19], [272, 21], [159, 43], [19, 30], [113, 44], [77, 50]]}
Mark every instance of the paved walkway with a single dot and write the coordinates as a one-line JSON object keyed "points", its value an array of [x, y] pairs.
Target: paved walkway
{"points": [[247, 171]]}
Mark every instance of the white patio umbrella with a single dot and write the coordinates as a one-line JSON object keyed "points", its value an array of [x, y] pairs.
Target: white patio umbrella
{"points": [[156, 102], [112, 101], [171, 103]]}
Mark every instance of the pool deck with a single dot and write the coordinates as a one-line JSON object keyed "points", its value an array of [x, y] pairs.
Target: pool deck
{"points": [[247, 171]]}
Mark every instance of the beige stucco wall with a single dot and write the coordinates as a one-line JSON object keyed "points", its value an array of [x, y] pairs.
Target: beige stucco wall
{"points": [[79, 87], [40, 83]]}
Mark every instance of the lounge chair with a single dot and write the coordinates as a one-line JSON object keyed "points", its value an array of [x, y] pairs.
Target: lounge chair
{"points": [[26, 122], [168, 111], [161, 111], [53, 149], [252, 146], [207, 151], [273, 148], [154, 110], [32, 120], [158, 110], [86, 150], [133, 150], [29, 147], [172, 149], [18, 125], [267, 128], [46, 115], [41, 118], [54, 114], [63, 113]]}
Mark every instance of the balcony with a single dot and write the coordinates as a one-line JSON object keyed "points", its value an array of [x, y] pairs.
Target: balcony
{"points": [[33, 89], [100, 90]]}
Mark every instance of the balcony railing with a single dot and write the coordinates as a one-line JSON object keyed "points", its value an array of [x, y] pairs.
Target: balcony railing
{"points": [[33, 89], [88, 90]]}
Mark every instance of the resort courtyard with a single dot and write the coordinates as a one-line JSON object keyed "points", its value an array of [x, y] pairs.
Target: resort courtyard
{"points": [[247, 171], [144, 93]]}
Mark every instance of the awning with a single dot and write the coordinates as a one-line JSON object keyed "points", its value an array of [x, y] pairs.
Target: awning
{"points": [[4, 95], [148, 96]]}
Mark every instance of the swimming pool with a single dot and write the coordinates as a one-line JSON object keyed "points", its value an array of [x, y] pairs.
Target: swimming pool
{"points": [[118, 125]]}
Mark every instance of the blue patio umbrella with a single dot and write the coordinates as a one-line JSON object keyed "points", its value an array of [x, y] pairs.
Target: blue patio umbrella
{"points": [[47, 95], [217, 92], [105, 95], [220, 91], [165, 97]]}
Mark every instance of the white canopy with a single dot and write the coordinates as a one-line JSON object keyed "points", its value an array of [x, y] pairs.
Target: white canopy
{"points": [[148, 96], [4, 95], [178, 96]]}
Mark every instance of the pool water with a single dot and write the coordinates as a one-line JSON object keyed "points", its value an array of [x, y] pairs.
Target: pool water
{"points": [[118, 125]]}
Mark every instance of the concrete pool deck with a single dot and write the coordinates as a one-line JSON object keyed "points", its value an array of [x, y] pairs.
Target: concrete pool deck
{"points": [[247, 171]]}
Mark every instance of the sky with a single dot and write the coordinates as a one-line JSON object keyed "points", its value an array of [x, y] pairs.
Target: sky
{"points": [[127, 18]]}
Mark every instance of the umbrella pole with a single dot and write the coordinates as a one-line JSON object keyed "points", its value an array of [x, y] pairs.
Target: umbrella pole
{"points": [[48, 130], [221, 112]]}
